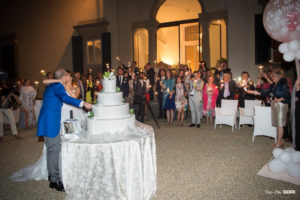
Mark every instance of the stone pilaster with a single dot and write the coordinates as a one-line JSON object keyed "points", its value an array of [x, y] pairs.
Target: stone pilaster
{"points": [[205, 42]]}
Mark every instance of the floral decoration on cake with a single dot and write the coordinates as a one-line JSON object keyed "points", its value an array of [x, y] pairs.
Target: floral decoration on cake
{"points": [[109, 76], [131, 111], [91, 114]]}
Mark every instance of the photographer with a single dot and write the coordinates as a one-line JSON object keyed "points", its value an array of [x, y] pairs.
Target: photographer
{"points": [[7, 99], [161, 77], [139, 88]]}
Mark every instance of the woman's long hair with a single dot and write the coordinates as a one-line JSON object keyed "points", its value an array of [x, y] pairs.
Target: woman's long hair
{"points": [[171, 75]]}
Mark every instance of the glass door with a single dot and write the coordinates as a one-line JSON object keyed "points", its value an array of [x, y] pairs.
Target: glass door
{"points": [[168, 45], [190, 44]]}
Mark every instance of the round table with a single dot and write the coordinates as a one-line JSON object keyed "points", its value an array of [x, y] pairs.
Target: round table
{"points": [[113, 166]]}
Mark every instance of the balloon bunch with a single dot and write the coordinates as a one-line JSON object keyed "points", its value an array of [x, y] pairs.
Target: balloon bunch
{"points": [[282, 20], [290, 50], [287, 160]]}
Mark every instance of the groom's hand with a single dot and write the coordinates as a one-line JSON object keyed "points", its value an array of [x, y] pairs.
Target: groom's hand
{"points": [[87, 105]]}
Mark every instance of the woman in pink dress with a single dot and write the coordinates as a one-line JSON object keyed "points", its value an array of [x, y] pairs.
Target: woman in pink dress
{"points": [[210, 94]]}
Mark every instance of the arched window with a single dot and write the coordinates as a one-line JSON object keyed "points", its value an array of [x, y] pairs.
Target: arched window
{"points": [[178, 10], [141, 46]]}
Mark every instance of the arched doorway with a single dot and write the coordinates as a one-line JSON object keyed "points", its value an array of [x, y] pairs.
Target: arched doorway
{"points": [[179, 33]]}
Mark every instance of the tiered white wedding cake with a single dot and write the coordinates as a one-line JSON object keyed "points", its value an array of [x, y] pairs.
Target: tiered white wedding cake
{"points": [[111, 114]]}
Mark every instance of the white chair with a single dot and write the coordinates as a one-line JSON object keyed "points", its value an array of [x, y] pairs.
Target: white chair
{"points": [[246, 114], [227, 113], [263, 122]]}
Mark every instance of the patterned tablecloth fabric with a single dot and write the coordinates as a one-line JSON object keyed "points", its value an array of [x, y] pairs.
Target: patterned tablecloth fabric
{"points": [[113, 166]]}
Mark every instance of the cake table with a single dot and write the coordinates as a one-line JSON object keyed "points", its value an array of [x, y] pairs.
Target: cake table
{"points": [[121, 166]]}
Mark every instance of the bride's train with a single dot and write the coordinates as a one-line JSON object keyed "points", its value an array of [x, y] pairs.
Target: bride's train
{"points": [[38, 170]]}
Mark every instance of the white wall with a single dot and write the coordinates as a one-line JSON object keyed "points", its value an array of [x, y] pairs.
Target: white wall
{"points": [[241, 37], [253, 10], [44, 30], [238, 34]]}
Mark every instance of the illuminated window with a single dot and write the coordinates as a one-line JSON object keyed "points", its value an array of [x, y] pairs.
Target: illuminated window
{"points": [[191, 33], [141, 46], [191, 44], [94, 53], [177, 10], [217, 41], [168, 45]]}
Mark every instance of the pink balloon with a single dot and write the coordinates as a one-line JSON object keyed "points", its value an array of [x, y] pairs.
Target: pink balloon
{"points": [[282, 20]]}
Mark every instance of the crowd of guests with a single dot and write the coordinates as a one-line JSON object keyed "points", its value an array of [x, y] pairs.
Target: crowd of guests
{"points": [[179, 91], [203, 90], [19, 95]]}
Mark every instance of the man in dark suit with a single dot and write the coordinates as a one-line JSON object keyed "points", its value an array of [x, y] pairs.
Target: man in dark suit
{"points": [[161, 77], [244, 85], [150, 74], [122, 82], [227, 88], [135, 68], [222, 70], [139, 88]]}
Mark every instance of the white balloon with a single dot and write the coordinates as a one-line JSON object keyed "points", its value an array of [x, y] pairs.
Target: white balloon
{"points": [[283, 48], [286, 157], [293, 169], [297, 54], [293, 45], [296, 156], [277, 166], [289, 56], [277, 152]]}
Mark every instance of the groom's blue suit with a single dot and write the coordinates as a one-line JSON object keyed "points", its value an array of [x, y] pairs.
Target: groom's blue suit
{"points": [[50, 115]]}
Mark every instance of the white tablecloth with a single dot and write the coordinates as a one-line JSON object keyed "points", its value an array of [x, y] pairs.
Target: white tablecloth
{"points": [[111, 167], [37, 108]]}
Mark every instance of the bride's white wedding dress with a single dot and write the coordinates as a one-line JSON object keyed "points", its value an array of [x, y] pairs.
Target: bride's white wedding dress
{"points": [[38, 170]]}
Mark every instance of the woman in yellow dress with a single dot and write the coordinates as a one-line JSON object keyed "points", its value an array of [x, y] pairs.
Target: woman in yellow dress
{"points": [[90, 89]]}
